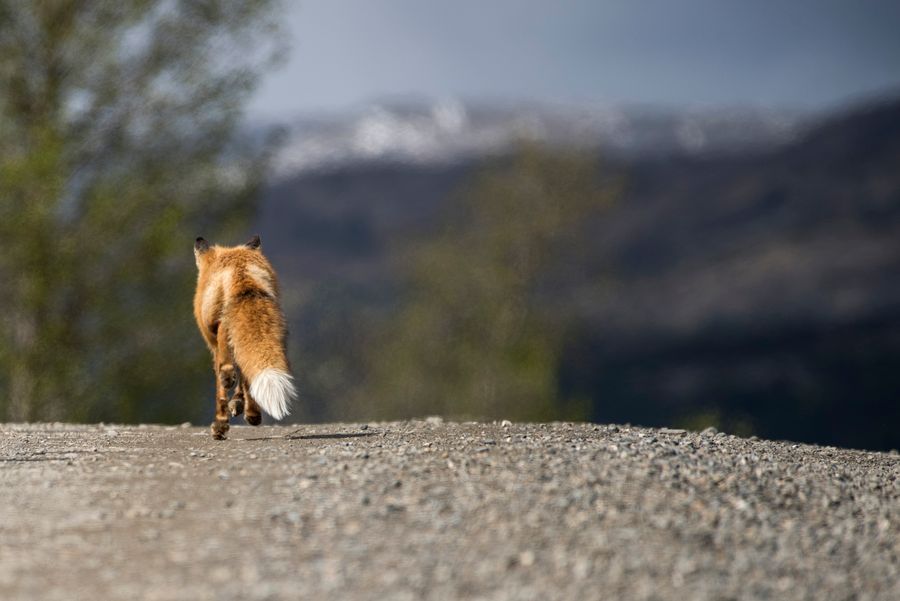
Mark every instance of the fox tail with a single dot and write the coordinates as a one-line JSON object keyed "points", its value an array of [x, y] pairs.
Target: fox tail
{"points": [[257, 332]]}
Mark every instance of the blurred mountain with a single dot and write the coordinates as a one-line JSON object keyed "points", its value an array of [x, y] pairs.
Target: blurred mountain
{"points": [[443, 132], [345, 186], [804, 233], [747, 278], [761, 292]]}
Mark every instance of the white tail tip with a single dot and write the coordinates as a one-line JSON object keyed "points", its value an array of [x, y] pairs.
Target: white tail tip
{"points": [[273, 390]]}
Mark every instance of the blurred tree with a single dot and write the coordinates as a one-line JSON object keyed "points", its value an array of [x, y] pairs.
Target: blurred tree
{"points": [[117, 129], [474, 338]]}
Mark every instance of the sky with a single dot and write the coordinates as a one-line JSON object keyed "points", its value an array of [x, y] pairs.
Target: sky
{"points": [[799, 54]]}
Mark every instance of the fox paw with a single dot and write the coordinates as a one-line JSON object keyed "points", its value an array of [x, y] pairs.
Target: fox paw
{"points": [[219, 430], [236, 406]]}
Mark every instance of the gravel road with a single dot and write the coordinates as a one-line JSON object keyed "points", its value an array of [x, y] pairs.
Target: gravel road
{"points": [[435, 510]]}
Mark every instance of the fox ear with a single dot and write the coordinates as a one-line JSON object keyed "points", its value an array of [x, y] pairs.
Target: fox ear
{"points": [[253, 243], [201, 245]]}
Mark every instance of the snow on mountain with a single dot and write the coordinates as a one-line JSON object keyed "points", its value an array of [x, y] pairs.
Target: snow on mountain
{"points": [[448, 130]]}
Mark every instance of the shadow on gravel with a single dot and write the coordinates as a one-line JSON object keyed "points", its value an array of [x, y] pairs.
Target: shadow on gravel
{"points": [[296, 436], [24, 459]]}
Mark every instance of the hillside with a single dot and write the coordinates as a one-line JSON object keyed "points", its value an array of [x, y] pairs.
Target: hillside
{"points": [[777, 263], [779, 274]]}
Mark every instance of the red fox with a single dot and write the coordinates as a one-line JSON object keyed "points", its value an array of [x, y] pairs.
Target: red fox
{"points": [[237, 311]]}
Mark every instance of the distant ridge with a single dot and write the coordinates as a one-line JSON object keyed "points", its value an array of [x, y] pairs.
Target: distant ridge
{"points": [[447, 131], [777, 265]]}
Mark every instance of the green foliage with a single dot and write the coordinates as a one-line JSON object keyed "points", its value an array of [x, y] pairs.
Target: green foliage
{"points": [[473, 339], [116, 122]]}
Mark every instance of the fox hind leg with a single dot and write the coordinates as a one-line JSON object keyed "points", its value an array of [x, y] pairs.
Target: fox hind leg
{"points": [[226, 377], [236, 404], [252, 412], [220, 426]]}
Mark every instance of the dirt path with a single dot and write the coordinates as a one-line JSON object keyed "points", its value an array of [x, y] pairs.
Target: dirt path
{"points": [[437, 510]]}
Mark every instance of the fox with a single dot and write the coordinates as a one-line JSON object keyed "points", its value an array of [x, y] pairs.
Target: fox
{"points": [[240, 318]]}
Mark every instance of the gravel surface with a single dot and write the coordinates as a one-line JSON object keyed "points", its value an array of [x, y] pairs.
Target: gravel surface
{"points": [[435, 510]]}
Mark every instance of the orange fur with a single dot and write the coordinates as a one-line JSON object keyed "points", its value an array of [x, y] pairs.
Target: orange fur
{"points": [[237, 311]]}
